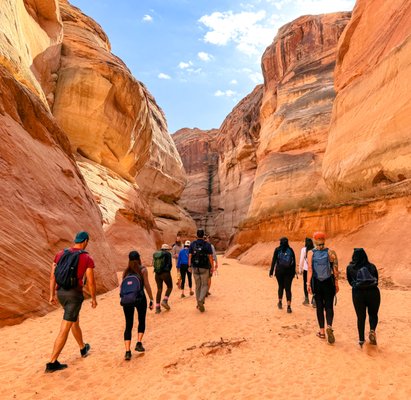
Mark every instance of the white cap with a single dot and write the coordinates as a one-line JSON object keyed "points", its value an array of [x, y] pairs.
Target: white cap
{"points": [[187, 243], [165, 247]]}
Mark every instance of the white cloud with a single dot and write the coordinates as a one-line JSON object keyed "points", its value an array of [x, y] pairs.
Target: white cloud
{"points": [[233, 82], [323, 6], [203, 56], [161, 75], [147, 18], [250, 31], [185, 65], [256, 77], [227, 93]]}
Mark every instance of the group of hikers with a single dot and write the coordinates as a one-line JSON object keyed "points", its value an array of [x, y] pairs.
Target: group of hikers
{"points": [[73, 268], [319, 266]]}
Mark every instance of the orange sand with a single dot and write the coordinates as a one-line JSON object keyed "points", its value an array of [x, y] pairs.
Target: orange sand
{"points": [[267, 353]]}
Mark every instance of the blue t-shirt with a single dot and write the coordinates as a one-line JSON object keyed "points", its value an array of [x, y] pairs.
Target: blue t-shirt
{"points": [[182, 257]]}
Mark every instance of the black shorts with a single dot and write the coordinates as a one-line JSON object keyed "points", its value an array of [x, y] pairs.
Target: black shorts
{"points": [[71, 300]]}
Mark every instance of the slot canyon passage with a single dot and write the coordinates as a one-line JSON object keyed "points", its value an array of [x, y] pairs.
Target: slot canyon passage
{"points": [[323, 144]]}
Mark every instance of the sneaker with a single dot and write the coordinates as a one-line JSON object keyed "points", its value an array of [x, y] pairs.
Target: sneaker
{"points": [[139, 347], [84, 351], [164, 303], [54, 366], [127, 356], [373, 338], [158, 310], [330, 335], [200, 306], [289, 310], [280, 305], [306, 301]]}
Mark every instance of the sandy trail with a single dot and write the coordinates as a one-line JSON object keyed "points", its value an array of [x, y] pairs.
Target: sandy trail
{"points": [[265, 353]]}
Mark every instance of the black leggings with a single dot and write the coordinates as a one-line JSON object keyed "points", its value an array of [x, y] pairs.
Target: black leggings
{"points": [[166, 278], [324, 297], [364, 299], [183, 272], [305, 273], [284, 282], [129, 314]]}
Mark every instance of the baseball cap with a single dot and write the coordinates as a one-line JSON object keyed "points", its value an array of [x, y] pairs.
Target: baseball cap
{"points": [[165, 247], [187, 243], [81, 237], [133, 255]]}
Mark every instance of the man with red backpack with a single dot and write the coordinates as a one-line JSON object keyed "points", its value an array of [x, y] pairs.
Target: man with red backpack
{"points": [[66, 284]]}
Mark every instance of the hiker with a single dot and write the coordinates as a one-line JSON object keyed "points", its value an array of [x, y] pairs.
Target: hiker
{"points": [[162, 268], [182, 266], [176, 247], [322, 282], [303, 269], [363, 277], [66, 284], [283, 266], [135, 280], [215, 263], [200, 261]]}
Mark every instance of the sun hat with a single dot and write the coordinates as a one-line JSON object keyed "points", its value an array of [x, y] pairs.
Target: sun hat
{"points": [[165, 247]]}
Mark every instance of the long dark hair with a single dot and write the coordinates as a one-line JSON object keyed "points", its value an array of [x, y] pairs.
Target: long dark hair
{"points": [[309, 245], [134, 266], [359, 258]]}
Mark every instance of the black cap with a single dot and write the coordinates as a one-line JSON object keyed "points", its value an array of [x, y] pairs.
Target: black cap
{"points": [[133, 255]]}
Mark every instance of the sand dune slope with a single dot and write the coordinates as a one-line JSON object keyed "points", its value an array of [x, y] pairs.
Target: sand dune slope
{"points": [[242, 347]]}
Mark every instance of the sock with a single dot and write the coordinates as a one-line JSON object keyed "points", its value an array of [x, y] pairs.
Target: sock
{"points": [[166, 298], [157, 304]]}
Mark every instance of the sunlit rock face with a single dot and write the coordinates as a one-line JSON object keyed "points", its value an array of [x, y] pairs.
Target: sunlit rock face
{"points": [[44, 201]]}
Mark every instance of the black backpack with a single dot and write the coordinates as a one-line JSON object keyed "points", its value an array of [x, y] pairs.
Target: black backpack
{"points": [[364, 279], [131, 290], [66, 269], [199, 256]]}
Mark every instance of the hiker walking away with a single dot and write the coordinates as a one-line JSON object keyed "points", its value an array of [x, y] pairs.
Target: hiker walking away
{"points": [[322, 281], [200, 261], [162, 269], [182, 266], [363, 277], [135, 280], [176, 247], [66, 284], [215, 263], [303, 269], [283, 266]]}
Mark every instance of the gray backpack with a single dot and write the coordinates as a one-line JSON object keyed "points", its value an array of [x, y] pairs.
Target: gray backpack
{"points": [[321, 264]]}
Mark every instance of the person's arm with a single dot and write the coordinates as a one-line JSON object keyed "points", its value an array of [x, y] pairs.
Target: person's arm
{"points": [[214, 257], [53, 286], [273, 262], [294, 263], [334, 260], [310, 271], [302, 259], [91, 284], [349, 276], [148, 287]]}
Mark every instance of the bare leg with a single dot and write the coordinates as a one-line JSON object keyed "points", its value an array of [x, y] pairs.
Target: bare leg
{"points": [[61, 339], [127, 343], [78, 335], [140, 336]]}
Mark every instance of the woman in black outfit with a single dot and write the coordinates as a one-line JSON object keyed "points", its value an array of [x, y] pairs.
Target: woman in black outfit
{"points": [[284, 264], [134, 267], [363, 277]]}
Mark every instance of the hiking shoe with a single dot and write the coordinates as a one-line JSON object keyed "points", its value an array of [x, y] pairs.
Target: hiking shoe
{"points": [[280, 305], [164, 303], [289, 310], [158, 310], [200, 306], [139, 347], [373, 338], [306, 301], [54, 366], [330, 335], [127, 356], [84, 351]]}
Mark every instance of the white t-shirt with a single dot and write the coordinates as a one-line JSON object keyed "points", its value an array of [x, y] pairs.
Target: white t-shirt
{"points": [[303, 260]]}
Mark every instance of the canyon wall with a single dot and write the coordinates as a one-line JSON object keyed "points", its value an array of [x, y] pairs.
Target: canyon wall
{"points": [[77, 130]]}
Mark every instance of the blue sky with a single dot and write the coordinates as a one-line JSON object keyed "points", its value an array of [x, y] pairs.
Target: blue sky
{"points": [[198, 58]]}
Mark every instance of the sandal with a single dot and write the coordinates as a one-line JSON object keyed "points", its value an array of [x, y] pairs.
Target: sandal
{"points": [[321, 335]]}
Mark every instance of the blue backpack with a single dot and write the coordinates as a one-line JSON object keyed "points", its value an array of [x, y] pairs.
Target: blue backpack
{"points": [[321, 264], [66, 269], [131, 290], [284, 259], [364, 279]]}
